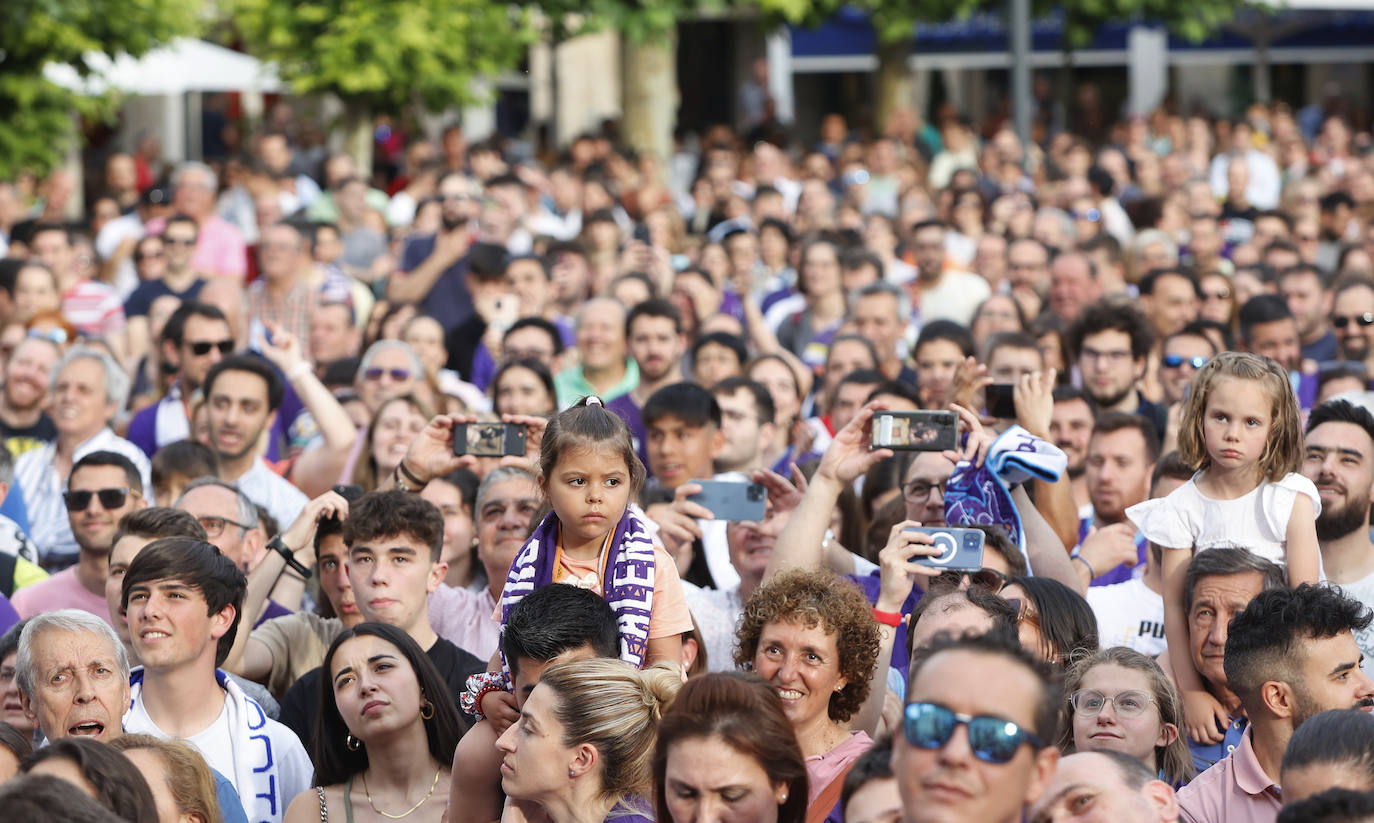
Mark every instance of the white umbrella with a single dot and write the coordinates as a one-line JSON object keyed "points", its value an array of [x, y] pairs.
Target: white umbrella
{"points": [[184, 65]]}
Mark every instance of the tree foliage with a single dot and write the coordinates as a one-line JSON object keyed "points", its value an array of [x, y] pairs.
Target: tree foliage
{"points": [[385, 53], [36, 115], [1193, 19]]}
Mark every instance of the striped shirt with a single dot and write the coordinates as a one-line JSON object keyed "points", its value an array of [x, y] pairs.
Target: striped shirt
{"points": [[36, 473], [291, 313], [94, 308]]}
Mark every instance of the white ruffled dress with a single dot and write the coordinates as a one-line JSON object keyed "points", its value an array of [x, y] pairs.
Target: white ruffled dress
{"points": [[1257, 521]]}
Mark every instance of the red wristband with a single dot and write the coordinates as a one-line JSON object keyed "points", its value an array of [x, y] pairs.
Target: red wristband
{"points": [[893, 619]]}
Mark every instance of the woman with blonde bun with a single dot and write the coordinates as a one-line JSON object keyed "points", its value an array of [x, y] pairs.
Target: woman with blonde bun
{"points": [[582, 749]]}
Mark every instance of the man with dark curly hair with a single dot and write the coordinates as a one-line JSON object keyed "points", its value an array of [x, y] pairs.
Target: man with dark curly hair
{"points": [[1289, 656], [812, 636]]}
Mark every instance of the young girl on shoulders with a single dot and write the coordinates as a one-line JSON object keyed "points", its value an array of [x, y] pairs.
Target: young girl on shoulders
{"points": [[1242, 432]]}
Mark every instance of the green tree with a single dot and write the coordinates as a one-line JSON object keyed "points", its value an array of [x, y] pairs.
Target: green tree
{"points": [[380, 55], [648, 71], [36, 122]]}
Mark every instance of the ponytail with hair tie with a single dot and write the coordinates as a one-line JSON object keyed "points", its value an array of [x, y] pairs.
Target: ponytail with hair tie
{"points": [[593, 400]]}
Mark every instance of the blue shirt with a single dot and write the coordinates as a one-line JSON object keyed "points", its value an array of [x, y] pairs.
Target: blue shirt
{"points": [[1206, 754], [448, 300], [230, 807]]}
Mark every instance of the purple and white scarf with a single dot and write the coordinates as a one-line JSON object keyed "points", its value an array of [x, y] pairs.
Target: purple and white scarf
{"points": [[627, 579]]}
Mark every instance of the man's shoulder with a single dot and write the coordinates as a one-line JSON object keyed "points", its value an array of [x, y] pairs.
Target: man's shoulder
{"points": [[453, 660], [1203, 793], [262, 473], [1117, 593]]}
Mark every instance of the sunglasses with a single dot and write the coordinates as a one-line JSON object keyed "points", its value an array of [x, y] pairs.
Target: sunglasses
{"points": [[1340, 322], [992, 739], [1091, 215], [1216, 295], [1130, 703], [152, 255], [990, 579], [58, 336], [1173, 361], [179, 241], [79, 501], [202, 347], [399, 375]]}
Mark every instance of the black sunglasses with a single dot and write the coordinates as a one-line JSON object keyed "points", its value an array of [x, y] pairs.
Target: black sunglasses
{"points": [[1366, 319], [202, 347], [992, 739], [1173, 361], [79, 501]]}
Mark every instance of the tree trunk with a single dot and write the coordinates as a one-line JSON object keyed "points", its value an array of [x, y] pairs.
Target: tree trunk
{"points": [[650, 95], [895, 90], [358, 136]]}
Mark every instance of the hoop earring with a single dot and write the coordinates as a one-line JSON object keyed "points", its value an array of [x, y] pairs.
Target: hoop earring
{"points": [[352, 743], [427, 710]]}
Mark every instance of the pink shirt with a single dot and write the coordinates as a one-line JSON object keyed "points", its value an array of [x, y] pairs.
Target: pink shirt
{"points": [[1234, 790], [61, 591], [821, 769], [219, 247], [463, 618]]}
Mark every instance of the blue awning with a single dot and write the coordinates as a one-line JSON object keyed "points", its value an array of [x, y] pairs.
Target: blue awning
{"points": [[849, 34]]}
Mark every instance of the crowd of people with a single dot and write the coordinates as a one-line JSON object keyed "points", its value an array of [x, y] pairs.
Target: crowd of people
{"points": [[295, 457]]}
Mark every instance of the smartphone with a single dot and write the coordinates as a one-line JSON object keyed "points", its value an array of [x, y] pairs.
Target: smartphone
{"points": [[733, 500], [350, 492], [1000, 401], [489, 439], [642, 234], [960, 549], [505, 311], [923, 431]]}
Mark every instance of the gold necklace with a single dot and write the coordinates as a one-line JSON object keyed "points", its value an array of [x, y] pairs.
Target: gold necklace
{"points": [[407, 812]]}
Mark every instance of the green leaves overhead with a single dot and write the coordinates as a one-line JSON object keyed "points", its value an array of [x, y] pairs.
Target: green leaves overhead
{"points": [[36, 116], [385, 53]]}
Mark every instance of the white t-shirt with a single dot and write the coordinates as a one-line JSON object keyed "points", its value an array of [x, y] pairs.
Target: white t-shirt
{"points": [[717, 612], [955, 297], [1363, 591], [1129, 614], [1257, 521], [213, 743]]}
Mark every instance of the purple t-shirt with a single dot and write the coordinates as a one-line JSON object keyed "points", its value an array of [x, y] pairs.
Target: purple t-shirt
{"points": [[1120, 573], [629, 411]]}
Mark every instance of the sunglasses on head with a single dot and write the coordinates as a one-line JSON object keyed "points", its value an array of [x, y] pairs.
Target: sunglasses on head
{"points": [[399, 375], [992, 739], [1173, 361], [79, 501], [202, 347], [1366, 319], [990, 579]]}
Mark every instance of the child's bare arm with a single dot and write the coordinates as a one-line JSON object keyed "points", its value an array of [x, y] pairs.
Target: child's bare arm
{"points": [[1202, 711], [1302, 553], [664, 650]]}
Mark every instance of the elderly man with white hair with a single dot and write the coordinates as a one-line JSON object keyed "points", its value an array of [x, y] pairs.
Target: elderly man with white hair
{"points": [[604, 366], [73, 678], [220, 248], [88, 389]]}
